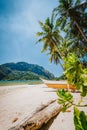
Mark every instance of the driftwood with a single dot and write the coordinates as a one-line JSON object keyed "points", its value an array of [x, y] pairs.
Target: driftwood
{"points": [[40, 118]]}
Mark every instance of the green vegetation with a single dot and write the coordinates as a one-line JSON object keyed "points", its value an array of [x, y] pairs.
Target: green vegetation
{"points": [[65, 98], [80, 119], [70, 50], [69, 19], [61, 78], [18, 75], [73, 66], [23, 71]]}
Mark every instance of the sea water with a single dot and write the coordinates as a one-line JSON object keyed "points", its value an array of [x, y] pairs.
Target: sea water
{"points": [[19, 82]]}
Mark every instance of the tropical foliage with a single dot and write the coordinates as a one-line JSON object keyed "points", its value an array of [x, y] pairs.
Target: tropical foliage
{"points": [[51, 38], [68, 18], [73, 66], [65, 98], [80, 119], [71, 18], [65, 38]]}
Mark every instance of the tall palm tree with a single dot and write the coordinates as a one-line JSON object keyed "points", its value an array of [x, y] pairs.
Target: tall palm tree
{"points": [[71, 18], [74, 15], [51, 38]]}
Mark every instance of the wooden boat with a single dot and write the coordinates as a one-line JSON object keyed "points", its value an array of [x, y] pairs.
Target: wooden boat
{"points": [[58, 84]]}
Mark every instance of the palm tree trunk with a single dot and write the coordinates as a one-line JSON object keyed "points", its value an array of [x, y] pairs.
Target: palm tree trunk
{"points": [[80, 30], [59, 54], [57, 49]]}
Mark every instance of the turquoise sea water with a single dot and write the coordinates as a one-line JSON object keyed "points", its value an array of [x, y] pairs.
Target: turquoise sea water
{"points": [[19, 82]]}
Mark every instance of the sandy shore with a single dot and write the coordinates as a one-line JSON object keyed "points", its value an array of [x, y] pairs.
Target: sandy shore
{"points": [[64, 121], [20, 102]]}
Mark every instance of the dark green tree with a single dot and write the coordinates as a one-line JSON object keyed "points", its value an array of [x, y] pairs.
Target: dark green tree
{"points": [[71, 18]]}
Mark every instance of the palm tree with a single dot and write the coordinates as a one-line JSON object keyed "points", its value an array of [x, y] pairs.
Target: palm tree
{"points": [[71, 18], [74, 15], [51, 38]]}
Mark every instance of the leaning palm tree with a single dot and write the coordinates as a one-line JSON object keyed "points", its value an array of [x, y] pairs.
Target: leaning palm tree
{"points": [[73, 15], [56, 57], [51, 38], [71, 18], [68, 19]]}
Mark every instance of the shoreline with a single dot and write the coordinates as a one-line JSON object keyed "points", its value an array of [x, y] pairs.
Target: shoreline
{"points": [[19, 82]]}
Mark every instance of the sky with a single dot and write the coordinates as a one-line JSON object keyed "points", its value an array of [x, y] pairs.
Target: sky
{"points": [[18, 26]]}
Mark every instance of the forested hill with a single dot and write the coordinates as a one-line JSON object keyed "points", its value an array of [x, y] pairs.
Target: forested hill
{"points": [[23, 71]]}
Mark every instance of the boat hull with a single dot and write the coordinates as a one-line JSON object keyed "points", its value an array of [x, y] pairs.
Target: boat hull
{"points": [[60, 86]]}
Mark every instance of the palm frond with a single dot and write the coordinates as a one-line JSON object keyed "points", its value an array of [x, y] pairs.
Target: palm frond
{"points": [[45, 46], [40, 33]]}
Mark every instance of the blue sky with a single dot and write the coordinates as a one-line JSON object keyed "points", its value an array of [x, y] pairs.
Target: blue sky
{"points": [[18, 26]]}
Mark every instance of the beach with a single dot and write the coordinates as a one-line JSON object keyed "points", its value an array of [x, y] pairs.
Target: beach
{"points": [[19, 103]]}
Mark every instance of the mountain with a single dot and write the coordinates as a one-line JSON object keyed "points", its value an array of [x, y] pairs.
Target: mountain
{"points": [[23, 71]]}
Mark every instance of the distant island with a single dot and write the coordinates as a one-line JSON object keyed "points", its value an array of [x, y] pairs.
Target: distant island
{"points": [[23, 71]]}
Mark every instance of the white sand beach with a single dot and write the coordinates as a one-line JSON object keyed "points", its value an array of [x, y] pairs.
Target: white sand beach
{"points": [[64, 121], [17, 103]]}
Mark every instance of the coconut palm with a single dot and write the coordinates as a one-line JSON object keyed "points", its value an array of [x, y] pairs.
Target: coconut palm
{"points": [[51, 38], [71, 18], [73, 15]]}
